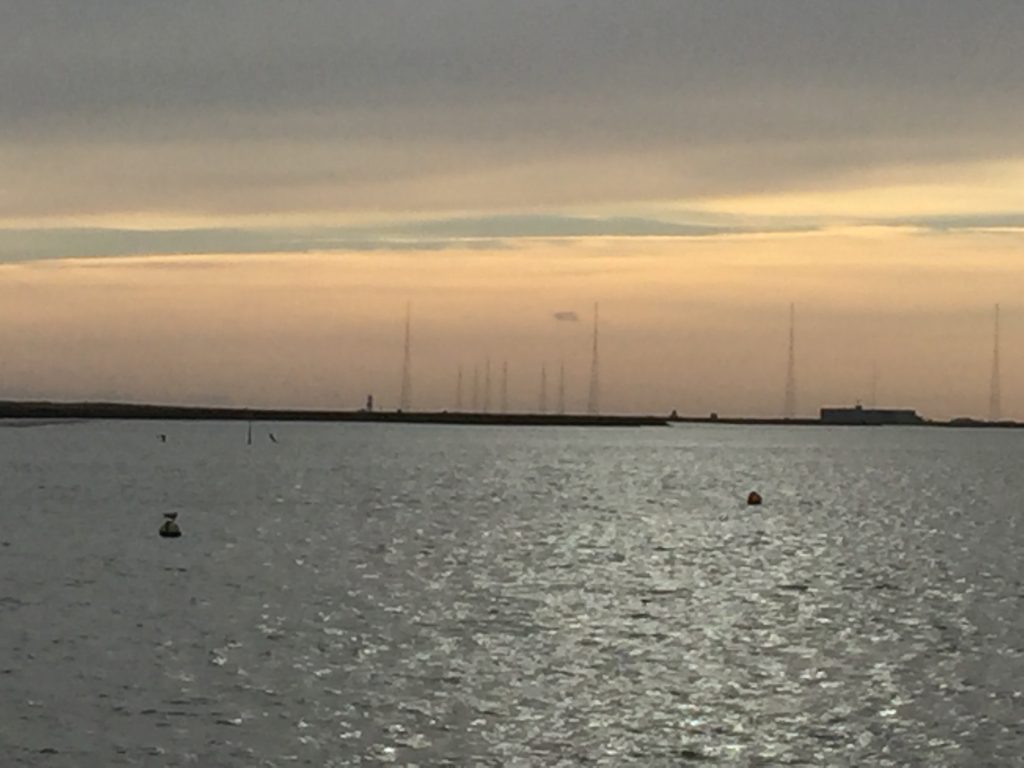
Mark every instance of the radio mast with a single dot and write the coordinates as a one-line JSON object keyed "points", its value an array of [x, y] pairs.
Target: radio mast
{"points": [[593, 401], [789, 406]]}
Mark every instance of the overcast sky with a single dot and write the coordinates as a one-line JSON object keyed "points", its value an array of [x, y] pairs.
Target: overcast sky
{"points": [[465, 130], [212, 108]]}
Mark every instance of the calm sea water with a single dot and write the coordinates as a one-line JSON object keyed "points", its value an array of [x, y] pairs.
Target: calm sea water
{"points": [[420, 595]]}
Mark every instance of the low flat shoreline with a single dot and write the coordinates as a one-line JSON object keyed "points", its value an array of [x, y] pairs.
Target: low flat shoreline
{"points": [[778, 422], [46, 411], [63, 411]]}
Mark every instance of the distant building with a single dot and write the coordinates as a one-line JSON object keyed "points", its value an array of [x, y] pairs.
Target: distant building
{"points": [[870, 416]]}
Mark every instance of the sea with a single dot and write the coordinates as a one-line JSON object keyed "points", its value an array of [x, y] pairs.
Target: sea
{"points": [[420, 595]]}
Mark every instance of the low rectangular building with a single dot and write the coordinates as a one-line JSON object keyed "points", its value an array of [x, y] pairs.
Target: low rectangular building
{"points": [[859, 415]]}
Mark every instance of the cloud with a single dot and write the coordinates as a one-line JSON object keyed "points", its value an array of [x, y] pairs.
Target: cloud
{"points": [[552, 226], [115, 106], [968, 223], [471, 233], [566, 317], [468, 233], [44, 244]]}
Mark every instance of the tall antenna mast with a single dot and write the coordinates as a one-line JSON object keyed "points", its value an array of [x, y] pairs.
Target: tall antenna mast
{"points": [[789, 407], [476, 389], [487, 385], [543, 404], [995, 396], [458, 390], [504, 387], [873, 401], [593, 401], [561, 387], [405, 398]]}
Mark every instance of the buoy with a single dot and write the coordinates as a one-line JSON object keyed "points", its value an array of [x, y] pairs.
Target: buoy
{"points": [[754, 498], [169, 529]]}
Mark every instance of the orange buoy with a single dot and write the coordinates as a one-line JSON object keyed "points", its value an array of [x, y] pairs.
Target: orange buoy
{"points": [[754, 498]]}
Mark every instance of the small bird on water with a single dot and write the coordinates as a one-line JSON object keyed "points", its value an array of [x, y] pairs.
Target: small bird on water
{"points": [[169, 529], [754, 498]]}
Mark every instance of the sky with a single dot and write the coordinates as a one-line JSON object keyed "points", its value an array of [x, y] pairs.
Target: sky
{"points": [[233, 202]]}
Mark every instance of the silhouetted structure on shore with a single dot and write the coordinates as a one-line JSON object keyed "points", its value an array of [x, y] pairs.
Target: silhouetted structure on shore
{"points": [[869, 416]]}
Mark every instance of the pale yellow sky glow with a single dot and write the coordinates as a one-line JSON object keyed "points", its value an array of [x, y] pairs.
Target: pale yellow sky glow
{"points": [[697, 324], [969, 190]]}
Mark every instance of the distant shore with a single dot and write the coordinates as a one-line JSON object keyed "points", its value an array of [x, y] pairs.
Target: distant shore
{"points": [[62, 411], [959, 423], [86, 410]]}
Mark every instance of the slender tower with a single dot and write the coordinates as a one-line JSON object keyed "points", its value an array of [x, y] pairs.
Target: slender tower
{"points": [[504, 387], [458, 390], [543, 404], [476, 389], [561, 387], [789, 407], [873, 399], [487, 385], [995, 396], [593, 401], [405, 398]]}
